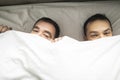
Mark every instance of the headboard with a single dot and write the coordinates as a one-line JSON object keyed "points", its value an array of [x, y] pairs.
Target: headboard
{"points": [[69, 15]]}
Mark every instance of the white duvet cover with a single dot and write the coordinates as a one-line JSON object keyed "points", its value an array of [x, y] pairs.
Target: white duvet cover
{"points": [[26, 56]]}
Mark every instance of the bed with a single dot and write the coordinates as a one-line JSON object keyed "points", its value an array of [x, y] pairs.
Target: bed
{"points": [[25, 56]]}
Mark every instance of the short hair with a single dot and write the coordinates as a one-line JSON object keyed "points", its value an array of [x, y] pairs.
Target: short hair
{"points": [[48, 20], [94, 18]]}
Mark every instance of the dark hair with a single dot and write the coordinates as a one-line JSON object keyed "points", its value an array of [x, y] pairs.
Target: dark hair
{"points": [[94, 18], [48, 20]]}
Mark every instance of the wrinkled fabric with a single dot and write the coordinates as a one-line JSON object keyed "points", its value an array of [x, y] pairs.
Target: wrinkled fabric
{"points": [[70, 16], [25, 56]]}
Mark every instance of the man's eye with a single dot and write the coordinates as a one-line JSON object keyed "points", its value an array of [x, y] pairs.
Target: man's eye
{"points": [[47, 36], [34, 30], [93, 36], [107, 33]]}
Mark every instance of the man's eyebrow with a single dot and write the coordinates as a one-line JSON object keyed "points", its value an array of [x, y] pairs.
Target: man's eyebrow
{"points": [[49, 33], [36, 27], [93, 32], [107, 29]]}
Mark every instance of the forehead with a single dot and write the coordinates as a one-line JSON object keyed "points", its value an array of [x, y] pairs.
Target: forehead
{"points": [[45, 25], [98, 25]]}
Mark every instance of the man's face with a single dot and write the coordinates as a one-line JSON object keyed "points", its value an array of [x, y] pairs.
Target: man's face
{"points": [[98, 29], [44, 29]]}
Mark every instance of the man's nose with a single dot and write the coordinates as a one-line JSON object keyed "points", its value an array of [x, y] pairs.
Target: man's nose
{"points": [[102, 35], [39, 33]]}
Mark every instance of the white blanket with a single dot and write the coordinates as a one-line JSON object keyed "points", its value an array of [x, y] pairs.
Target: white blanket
{"points": [[26, 56]]}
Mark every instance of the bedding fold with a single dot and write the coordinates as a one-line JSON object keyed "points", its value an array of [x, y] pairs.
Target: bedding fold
{"points": [[25, 56]]}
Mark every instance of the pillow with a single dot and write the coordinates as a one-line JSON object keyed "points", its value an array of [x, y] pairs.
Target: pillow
{"points": [[70, 16]]}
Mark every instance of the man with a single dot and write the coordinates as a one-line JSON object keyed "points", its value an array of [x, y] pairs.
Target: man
{"points": [[97, 26], [44, 27]]}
